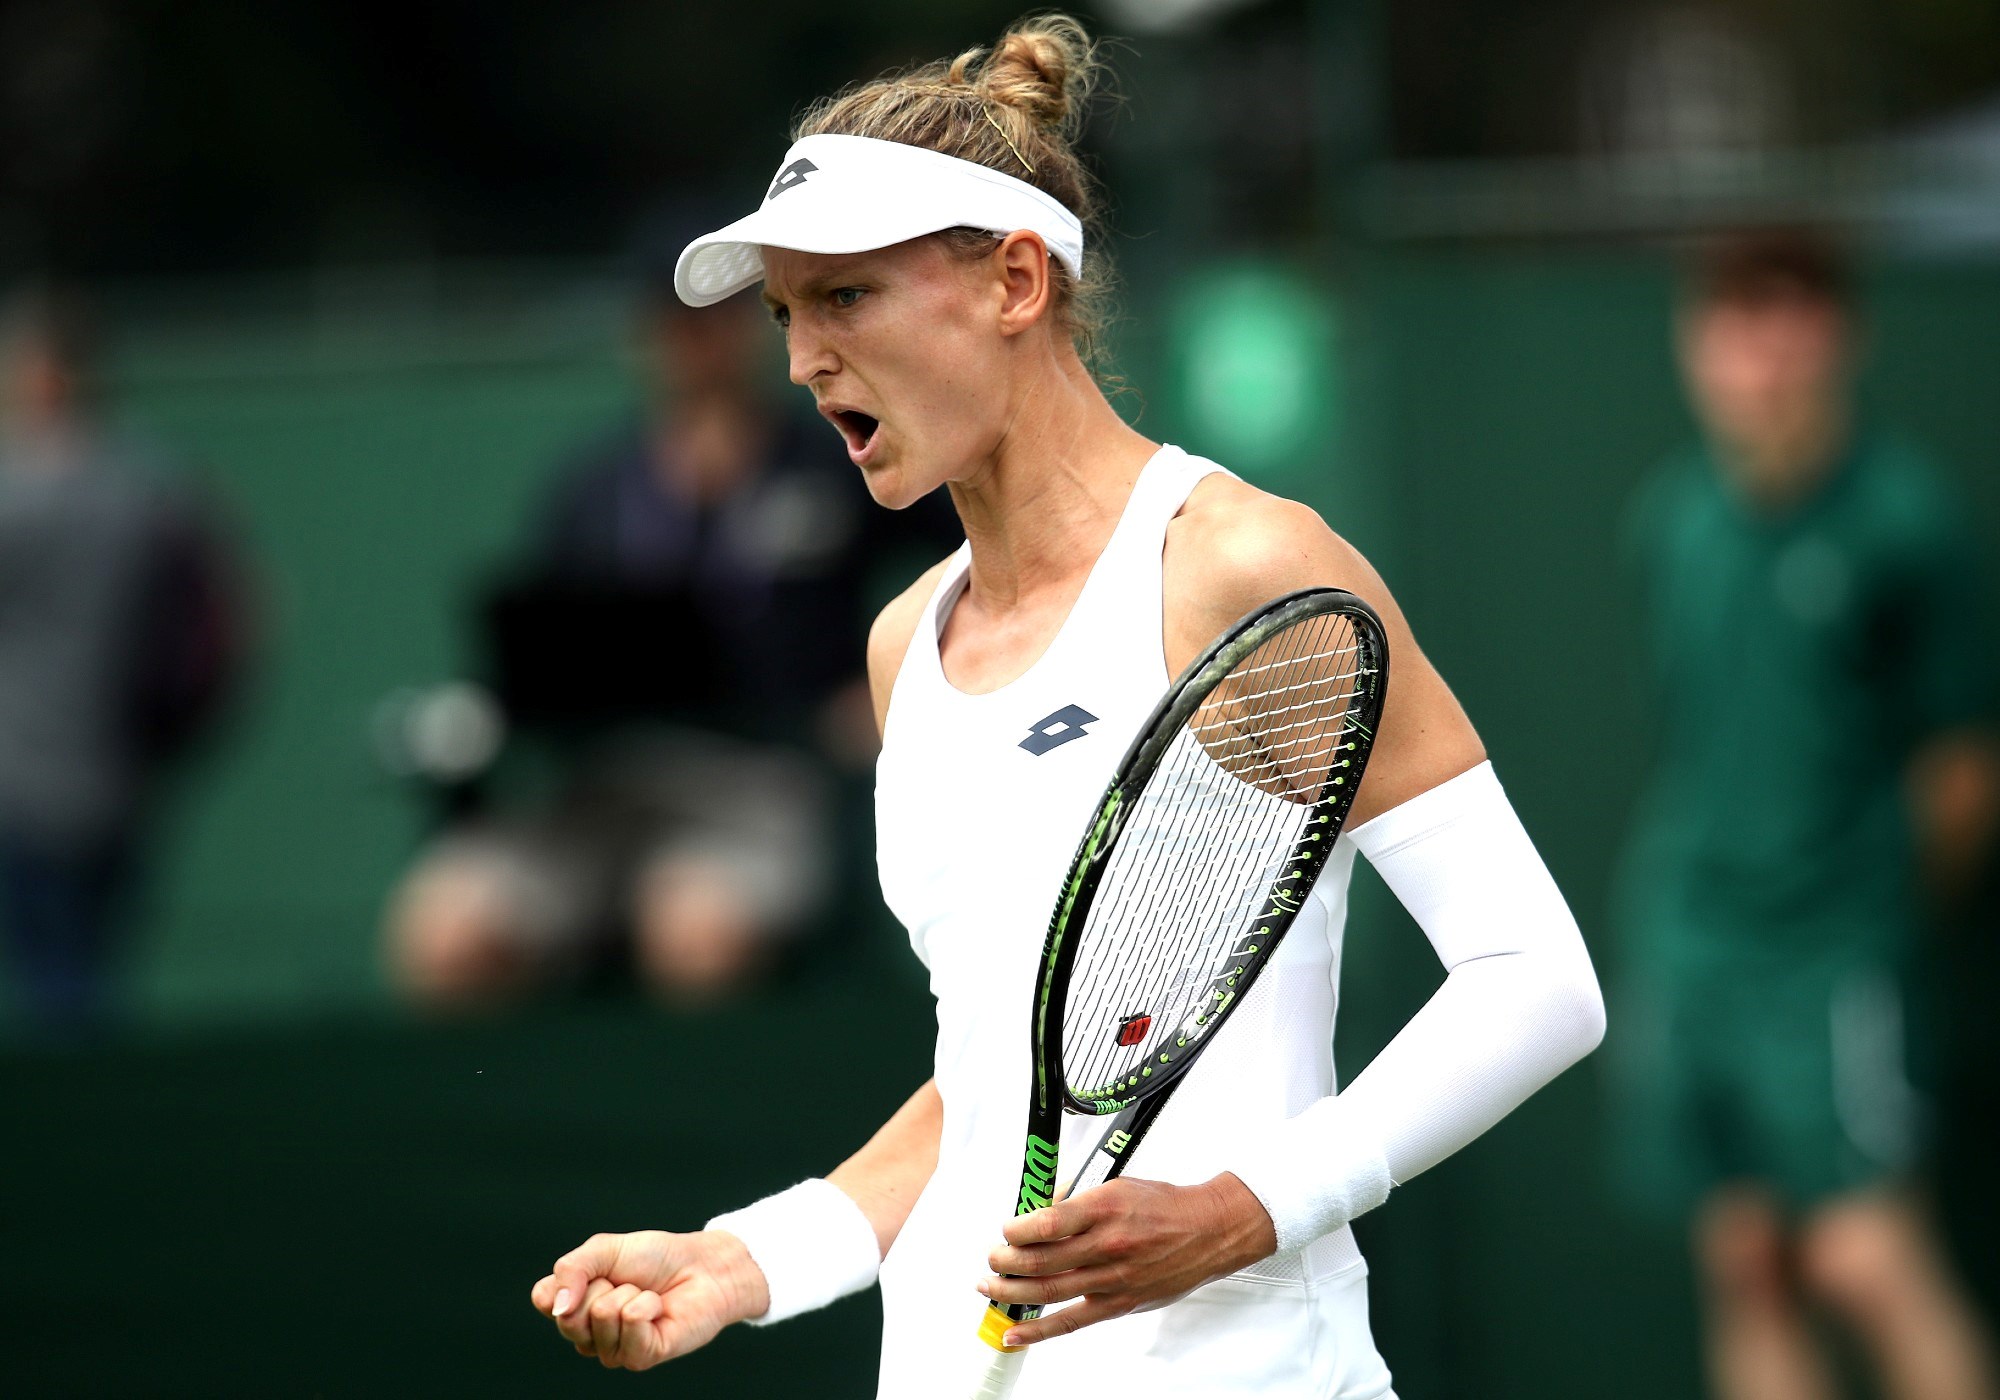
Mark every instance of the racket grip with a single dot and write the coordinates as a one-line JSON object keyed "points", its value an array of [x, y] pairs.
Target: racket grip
{"points": [[998, 1375], [999, 1368]]}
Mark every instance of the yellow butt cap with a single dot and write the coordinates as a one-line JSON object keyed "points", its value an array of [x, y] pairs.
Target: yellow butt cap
{"points": [[993, 1327]]}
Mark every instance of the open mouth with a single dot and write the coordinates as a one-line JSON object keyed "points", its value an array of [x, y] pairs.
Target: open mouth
{"points": [[857, 427]]}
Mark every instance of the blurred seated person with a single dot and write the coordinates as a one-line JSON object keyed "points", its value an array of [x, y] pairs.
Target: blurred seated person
{"points": [[676, 663], [119, 638]]}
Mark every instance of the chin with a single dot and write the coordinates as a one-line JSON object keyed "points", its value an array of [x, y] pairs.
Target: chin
{"points": [[894, 486], [887, 487]]}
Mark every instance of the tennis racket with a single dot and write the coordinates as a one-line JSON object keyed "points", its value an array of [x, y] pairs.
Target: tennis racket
{"points": [[1201, 853]]}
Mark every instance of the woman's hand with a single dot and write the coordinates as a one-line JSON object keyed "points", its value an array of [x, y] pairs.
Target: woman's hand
{"points": [[636, 1300], [1124, 1247]]}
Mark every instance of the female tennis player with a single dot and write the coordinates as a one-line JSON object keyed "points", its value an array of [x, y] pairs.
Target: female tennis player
{"points": [[923, 244]]}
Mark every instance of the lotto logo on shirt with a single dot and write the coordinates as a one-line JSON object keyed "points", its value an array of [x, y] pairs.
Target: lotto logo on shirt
{"points": [[1053, 731]]}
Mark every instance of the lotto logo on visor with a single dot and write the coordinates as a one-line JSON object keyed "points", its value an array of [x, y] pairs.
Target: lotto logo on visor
{"points": [[854, 194], [790, 178]]}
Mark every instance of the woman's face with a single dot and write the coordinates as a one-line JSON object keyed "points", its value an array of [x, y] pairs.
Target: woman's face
{"points": [[908, 354]]}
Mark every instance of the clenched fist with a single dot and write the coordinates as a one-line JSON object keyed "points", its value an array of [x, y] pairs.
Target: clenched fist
{"points": [[633, 1301]]}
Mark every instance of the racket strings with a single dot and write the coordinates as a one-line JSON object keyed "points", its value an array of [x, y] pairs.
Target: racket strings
{"points": [[1294, 739], [1249, 849], [1210, 840], [1190, 798], [1312, 704], [1213, 888], [1183, 790]]}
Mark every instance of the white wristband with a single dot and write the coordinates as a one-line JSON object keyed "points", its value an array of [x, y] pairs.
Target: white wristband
{"points": [[812, 1243]]}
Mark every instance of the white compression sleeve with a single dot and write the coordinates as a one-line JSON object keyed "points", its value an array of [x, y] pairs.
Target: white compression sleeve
{"points": [[813, 1244], [1519, 1005]]}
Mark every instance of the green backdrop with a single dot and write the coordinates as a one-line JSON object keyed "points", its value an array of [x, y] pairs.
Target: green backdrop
{"points": [[277, 1186], [375, 472]]}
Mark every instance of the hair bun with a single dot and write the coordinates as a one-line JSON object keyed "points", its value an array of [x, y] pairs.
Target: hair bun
{"points": [[1016, 108], [1044, 67]]}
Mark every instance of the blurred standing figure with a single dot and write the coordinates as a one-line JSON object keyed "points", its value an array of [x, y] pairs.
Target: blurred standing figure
{"points": [[117, 642], [1827, 772]]}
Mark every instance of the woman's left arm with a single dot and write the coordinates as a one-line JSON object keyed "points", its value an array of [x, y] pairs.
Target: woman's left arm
{"points": [[1519, 1003]]}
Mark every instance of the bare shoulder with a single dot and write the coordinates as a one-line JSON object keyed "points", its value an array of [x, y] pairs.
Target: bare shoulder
{"points": [[1233, 548], [889, 637]]}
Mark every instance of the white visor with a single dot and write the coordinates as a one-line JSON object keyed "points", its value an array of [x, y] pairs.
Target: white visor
{"points": [[853, 194]]}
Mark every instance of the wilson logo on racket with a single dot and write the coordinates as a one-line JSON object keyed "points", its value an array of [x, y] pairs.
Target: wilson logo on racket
{"points": [[1038, 1175], [1133, 1029]]}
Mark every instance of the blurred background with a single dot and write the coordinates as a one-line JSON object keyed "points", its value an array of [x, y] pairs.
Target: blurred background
{"points": [[376, 544]]}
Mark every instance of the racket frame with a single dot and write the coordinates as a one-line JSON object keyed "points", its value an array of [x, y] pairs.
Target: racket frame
{"points": [[1049, 1094]]}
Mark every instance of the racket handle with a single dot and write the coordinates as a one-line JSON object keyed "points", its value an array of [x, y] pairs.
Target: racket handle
{"points": [[999, 1368], [999, 1374]]}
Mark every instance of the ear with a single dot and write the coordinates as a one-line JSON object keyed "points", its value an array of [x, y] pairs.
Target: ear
{"points": [[1021, 265]]}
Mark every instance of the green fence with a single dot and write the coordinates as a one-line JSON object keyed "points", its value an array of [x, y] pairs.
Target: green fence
{"points": [[377, 473]]}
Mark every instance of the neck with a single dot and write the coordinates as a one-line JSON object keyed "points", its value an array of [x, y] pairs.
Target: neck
{"points": [[1783, 470], [1041, 507]]}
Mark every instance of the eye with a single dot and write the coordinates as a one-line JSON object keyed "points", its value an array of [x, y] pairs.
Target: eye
{"points": [[846, 296], [782, 317]]}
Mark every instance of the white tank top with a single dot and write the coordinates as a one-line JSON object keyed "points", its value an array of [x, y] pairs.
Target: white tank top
{"points": [[980, 801]]}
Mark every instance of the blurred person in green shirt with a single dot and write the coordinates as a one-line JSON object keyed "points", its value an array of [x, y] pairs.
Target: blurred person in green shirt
{"points": [[1826, 775]]}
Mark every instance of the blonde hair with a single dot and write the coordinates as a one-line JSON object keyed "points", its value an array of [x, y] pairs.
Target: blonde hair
{"points": [[1017, 108]]}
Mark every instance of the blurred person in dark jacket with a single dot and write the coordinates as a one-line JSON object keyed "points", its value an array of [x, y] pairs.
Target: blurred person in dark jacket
{"points": [[680, 647], [119, 636], [1828, 775]]}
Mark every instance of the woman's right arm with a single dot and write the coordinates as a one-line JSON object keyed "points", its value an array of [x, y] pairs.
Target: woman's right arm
{"points": [[638, 1299], [888, 1174], [891, 1170]]}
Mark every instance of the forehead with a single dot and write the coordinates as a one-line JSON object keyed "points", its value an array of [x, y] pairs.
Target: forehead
{"points": [[790, 275], [1774, 302], [1770, 325]]}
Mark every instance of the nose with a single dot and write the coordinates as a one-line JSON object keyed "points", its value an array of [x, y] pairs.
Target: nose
{"points": [[809, 354]]}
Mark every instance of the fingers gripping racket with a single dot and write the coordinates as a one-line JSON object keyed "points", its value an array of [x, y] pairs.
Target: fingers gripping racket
{"points": [[1201, 853]]}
